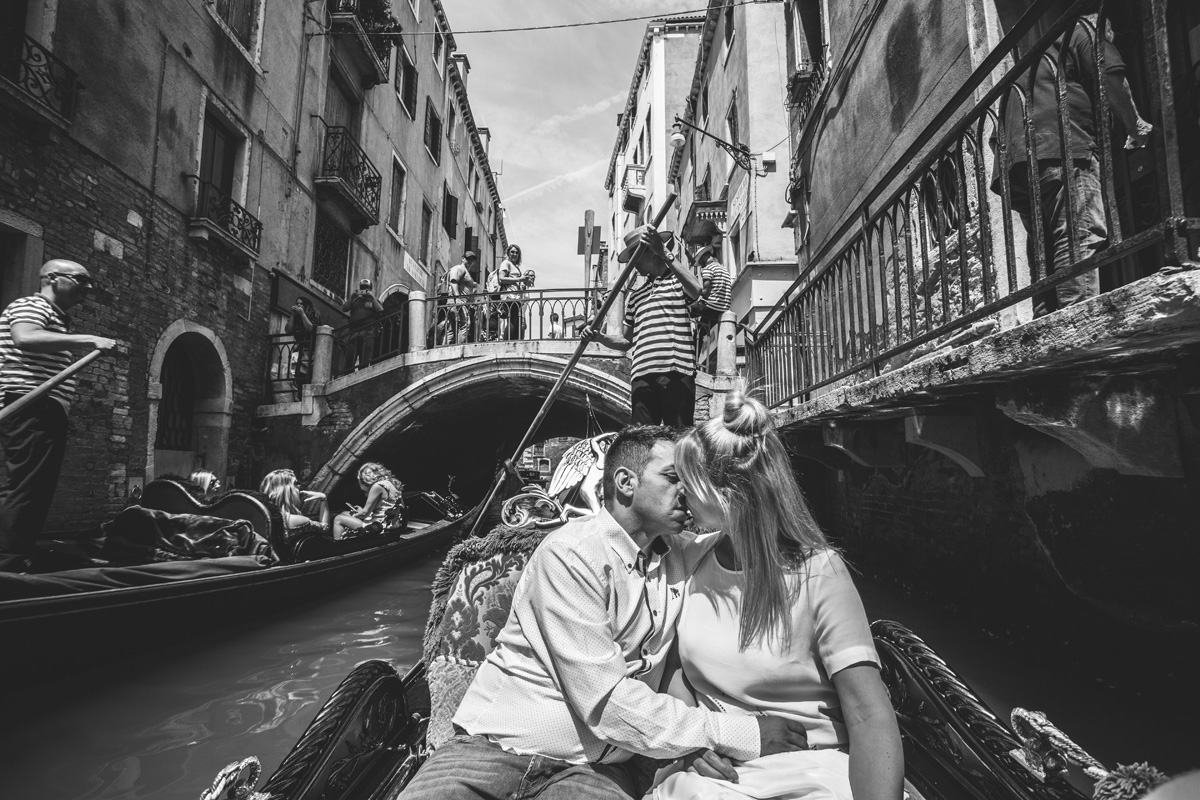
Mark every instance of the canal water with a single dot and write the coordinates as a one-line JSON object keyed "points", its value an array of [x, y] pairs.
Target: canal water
{"points": [[162, 726]]}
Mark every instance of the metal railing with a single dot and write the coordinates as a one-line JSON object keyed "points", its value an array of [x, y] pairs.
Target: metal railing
{"points": [[376, 19], [228, 215], [938, 254], [39, 74], [537, 315], [343, 158], [289, 365]]}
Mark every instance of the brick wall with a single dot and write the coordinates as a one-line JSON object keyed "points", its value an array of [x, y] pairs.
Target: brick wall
{"points": [[152, 274]]}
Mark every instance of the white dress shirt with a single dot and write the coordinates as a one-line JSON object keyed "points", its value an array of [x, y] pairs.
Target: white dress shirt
{"points": [[576, 670]]}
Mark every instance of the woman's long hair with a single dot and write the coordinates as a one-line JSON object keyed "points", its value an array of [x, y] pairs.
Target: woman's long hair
{"points": [[203, 480], [517, 260], [280, 486], [373, 472], [738, 462]]}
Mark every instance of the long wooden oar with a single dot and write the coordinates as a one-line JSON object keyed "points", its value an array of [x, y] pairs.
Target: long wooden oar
{"points": [[566, 373], [48, 384]]}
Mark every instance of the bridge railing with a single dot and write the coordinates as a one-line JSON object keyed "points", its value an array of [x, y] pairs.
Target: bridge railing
{"points": [[534, 315], [935, 246]]}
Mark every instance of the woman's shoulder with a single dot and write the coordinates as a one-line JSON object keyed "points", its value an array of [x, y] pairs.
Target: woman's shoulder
{"points": [[820, 562]]}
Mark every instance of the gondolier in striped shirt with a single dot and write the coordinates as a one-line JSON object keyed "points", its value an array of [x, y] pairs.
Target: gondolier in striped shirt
{"points": [[35, 345], [657, 332]]}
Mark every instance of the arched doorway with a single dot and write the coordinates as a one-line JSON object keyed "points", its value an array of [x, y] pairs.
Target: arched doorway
{"points": [[190, 406]]}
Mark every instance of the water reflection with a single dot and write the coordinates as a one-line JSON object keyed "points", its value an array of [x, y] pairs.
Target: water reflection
{"points": [[163, 726]]}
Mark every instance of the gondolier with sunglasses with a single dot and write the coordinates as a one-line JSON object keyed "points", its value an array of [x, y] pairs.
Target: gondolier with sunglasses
{"points": [[35, 345]]}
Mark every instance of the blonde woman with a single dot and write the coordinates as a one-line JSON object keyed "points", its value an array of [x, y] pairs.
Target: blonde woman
{"points": [[383, 496], [207, 487], [772, 624], [281, 488]]}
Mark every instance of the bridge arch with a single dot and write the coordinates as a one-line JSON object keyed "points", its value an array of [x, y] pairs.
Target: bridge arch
{"points": [[492, 378]]}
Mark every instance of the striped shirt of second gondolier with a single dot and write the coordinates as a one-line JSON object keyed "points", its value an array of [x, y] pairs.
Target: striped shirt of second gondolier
{"points": [[576, 669]]}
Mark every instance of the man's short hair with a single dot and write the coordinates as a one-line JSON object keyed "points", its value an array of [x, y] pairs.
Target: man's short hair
{"points": [[631, 450]]}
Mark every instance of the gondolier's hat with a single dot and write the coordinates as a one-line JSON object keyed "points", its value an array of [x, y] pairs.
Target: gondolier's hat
{"points": [[698, 256], [467, 256], [668, 239]]}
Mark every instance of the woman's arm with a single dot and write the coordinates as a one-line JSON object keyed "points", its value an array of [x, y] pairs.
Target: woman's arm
{"points": [[876, 755], [373, 498]]}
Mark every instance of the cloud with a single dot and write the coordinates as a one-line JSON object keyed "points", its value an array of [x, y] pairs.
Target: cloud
{"points": [[585, 172], [551, 125]]}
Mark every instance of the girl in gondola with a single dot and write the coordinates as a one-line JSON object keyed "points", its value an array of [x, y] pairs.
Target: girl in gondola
{"points": [[772, 624], [281, 488], [205, 485], [383, 508]]}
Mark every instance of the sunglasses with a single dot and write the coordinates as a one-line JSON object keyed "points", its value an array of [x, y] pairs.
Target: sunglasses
{"points": [[82, 280]]}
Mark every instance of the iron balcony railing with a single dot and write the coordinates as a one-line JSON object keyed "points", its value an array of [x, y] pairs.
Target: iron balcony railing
{"points": [[918, 267], [289, 365], [39, 74], [343, 158], [377, 22], [225, 213]]}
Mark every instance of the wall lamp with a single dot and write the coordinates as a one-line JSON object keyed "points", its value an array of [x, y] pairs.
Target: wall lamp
{"points": [[739, 152]]}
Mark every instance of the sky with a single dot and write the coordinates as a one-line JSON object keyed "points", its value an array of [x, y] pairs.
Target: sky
{"points": [[551, 99]]}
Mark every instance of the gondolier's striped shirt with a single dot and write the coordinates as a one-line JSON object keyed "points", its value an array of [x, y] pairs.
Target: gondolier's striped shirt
{"points": [[22, 371], [662, 330]]}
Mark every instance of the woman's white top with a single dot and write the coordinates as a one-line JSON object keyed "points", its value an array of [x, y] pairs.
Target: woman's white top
{"points": [[829, 633]]}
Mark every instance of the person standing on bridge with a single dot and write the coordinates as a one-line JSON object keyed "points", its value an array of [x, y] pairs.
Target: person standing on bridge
{"points": [[657, 332], [460, 282], [35, 345], [360, 342]]}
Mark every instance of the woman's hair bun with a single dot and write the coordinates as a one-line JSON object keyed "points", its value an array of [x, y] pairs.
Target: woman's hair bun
{"points": [[744, 415]]}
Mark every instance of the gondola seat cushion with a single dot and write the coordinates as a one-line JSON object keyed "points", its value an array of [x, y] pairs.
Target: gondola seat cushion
{"points": [[472, 595]]}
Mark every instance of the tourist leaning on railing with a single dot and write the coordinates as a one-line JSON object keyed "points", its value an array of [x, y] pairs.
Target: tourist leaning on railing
{"points": [[1078, 182], [360, 340], [35, 346]]}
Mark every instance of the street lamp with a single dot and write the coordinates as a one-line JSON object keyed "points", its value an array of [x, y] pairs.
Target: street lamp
{"points": [[739, 152]]}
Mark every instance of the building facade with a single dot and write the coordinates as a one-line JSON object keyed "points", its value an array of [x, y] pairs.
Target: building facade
{"points": [[223, 160], [736, 203]]}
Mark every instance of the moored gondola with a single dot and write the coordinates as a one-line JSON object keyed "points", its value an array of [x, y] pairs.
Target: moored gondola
{"points": [[84, 614]]}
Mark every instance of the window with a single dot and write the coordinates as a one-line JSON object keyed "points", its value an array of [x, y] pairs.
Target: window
{"points": [[331, 255], [649, 137], [426, 231], [433, 132], [807, 34], [449, 212], [704, 188], [416, 9], [450, 120], [239, 17], [731, 127], [471, 174], [396, 209], [729, 29], [469, 242], [704, 103], [406, 81], [439, 48], [218, 150], [475, 188]]}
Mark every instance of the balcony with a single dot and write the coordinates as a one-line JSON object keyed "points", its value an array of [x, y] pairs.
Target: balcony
{"points": [[220, 218], [349, 177], [35, 84], [365, 29], [634, 184], [705, 219]]}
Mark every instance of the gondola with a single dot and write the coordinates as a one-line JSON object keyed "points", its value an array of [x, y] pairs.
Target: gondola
{"points": [[377, 727], [143, 607]]}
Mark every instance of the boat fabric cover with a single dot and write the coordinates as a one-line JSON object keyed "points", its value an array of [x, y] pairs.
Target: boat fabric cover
{"points": [[15, 586], [472, 595], [145, 535]]}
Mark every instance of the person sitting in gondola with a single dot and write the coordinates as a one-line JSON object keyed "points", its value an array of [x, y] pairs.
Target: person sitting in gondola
{"points": [[570, 692], [383, 510], [281, 488], [772, 624], [205, 484]]}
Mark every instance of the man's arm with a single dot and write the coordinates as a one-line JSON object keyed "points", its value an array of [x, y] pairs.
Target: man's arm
{"points": [[572, 636], [33, 338], [687, 279], [589, 333]]}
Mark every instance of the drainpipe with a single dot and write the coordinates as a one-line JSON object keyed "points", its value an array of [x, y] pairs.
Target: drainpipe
{"points": [[416, 320]]}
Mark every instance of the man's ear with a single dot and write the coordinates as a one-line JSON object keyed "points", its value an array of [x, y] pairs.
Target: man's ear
{"points": [[625, 482]]}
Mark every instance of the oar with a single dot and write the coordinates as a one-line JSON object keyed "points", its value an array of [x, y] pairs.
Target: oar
{"points": [[48, 384], [566, 373]]}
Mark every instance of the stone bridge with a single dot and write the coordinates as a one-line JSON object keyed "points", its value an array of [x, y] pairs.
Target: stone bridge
{"points": [[451, 410]]}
